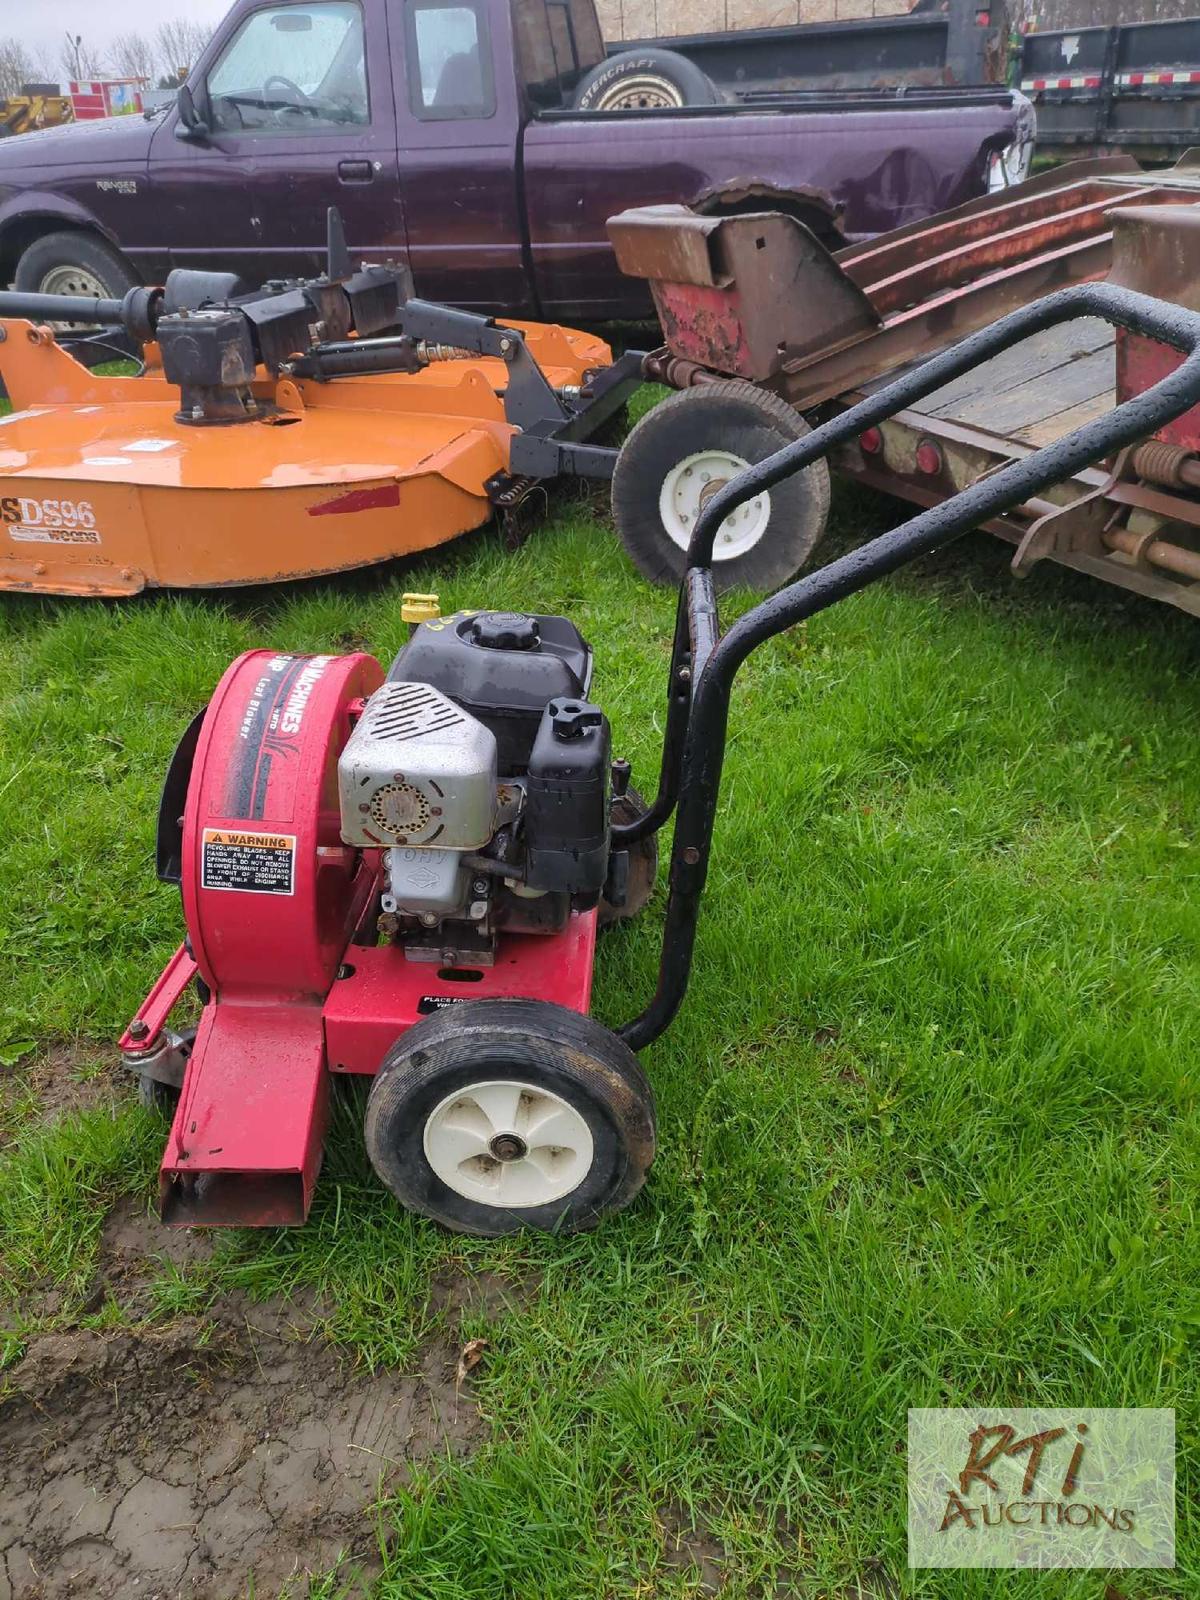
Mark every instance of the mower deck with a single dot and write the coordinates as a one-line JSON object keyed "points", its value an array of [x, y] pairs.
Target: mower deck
{"points": [[103, 491]]}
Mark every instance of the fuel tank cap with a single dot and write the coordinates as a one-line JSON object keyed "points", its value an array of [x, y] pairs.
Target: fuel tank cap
{"points": [[505, 630]]}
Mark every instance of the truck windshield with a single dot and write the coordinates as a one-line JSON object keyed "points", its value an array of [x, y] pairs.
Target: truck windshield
{"points": [[288, 70]]}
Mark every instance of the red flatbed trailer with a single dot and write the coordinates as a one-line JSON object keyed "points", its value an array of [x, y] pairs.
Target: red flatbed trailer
{"points": [[757, 298]]}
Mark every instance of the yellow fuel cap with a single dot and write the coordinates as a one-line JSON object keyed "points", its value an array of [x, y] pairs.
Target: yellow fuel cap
{"points": [[419, 607]]}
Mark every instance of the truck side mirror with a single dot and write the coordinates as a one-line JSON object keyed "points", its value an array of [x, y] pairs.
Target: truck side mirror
{"points": [[191, 124]]}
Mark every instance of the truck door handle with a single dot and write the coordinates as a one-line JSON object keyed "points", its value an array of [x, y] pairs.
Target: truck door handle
{"points": [[355, 171]]}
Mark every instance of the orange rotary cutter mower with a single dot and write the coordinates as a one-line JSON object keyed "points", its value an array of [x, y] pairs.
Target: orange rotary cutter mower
{"points": [[304, 428], [400, 875]]}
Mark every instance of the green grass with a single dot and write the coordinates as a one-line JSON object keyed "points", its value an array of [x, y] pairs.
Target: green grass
{"points": [[927, 1121]]}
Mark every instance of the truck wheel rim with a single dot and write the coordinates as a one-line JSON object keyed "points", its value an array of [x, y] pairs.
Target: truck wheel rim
{"points": [[693, 481], [73, 280], [508, 1144], [646, 92]]}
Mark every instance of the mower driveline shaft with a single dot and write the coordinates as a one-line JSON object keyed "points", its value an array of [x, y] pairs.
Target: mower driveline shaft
{"points": [[136, 312], [60, 308]]}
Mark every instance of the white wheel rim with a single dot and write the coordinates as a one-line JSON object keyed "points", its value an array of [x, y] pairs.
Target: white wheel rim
{"points": [[646, 91], [690, 483], [468, 1138], [73, 280]]}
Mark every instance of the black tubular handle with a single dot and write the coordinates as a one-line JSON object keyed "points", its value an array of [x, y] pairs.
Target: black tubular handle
{"points": [[694, 749]]}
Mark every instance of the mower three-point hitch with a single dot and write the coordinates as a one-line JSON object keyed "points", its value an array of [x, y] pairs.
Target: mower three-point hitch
{"points": [[401, 874]]}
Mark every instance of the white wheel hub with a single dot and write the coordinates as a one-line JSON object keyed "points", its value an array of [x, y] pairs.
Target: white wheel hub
{"points": [[508, 1144], [73, 280], [641, 92], [691, 483]]}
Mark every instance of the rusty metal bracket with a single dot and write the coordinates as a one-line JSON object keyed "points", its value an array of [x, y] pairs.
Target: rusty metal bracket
{"points": [[1078, 525]]}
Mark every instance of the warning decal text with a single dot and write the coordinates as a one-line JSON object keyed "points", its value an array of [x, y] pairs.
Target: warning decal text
{"points": [[255, 863]]}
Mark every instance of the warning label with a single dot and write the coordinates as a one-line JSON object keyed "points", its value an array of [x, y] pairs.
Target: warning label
{"points": [[429, 1003], [256, 863]]}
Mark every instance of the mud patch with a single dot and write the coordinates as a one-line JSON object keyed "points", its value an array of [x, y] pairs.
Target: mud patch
{"points": [[199, 1462], [691, 1549], [51, 1083], [135, 1249], [460, 1296]]}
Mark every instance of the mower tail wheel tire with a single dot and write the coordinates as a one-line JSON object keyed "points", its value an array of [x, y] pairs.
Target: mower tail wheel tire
{"points": [[496, 1115], [75, 262], [643, 863], [687, 448]]}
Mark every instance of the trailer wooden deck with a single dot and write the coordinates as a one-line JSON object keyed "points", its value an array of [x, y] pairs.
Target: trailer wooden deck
{"points": [[1030, 396], [1034, 393], [1039, 390]]}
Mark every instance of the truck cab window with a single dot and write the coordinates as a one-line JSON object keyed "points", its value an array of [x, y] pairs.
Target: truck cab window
{"points": [[449, 60], [292, 70], [557, 42]]}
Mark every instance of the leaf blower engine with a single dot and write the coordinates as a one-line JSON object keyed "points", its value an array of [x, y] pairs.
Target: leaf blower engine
{"points": [[482, 770], [401, 877]]}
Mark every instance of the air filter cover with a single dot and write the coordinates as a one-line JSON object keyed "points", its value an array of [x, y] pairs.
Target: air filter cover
{"points": [[417, 770]]}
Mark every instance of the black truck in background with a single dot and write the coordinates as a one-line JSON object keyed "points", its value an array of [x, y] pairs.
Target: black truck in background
{"points": [[1134, 87]]}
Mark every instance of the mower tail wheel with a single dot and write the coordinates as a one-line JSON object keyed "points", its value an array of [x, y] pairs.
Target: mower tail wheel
{"points": [[164, 1097], [496, 1115], [687, 448]]}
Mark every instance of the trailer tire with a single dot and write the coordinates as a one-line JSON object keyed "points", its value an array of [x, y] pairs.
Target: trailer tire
{"points": [[642, 80], [74, 261], [529, 1063], [698, 439]]}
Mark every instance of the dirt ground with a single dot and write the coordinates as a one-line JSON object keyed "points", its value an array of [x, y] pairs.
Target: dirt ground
{"points": [[61, 1079], [194, 1460]]}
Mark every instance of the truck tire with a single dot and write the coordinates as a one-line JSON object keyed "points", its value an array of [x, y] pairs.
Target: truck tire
{"points": [[645, 80], [74, 262], [685, 449]]}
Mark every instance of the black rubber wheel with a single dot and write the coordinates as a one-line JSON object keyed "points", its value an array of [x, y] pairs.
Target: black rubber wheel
{"points": [[164, 1097], [643, 862], [645, 80], [74, 262], [453, 1119], [686, 448], [155, 1096]]}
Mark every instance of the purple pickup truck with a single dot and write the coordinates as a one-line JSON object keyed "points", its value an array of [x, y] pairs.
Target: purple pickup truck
{"points": [[450, 132]]}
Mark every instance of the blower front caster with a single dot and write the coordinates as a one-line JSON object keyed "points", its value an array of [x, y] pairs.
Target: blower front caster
{"points": [[401, 875]]}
